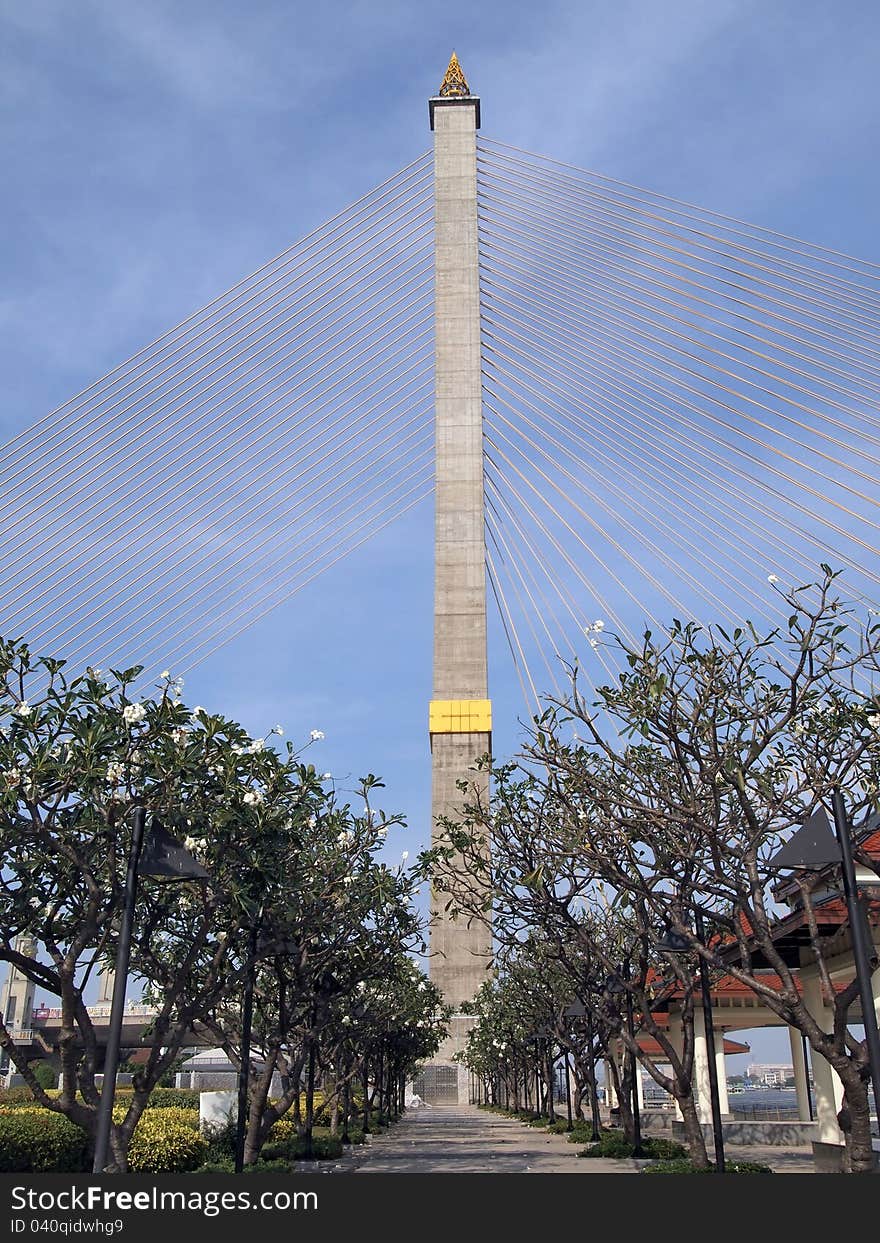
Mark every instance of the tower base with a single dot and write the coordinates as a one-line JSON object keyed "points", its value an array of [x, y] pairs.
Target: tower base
{"points": [[444, 1081]]}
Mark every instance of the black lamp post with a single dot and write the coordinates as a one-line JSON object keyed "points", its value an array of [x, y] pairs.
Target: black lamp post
{"points": [[814, 846], [577, 1010], [244, 1069], [162, 856], [545, 1038], [616, 984], [675, 943]]}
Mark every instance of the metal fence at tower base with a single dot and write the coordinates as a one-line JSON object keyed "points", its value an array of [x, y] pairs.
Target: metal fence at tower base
{"points": [[439, 1083]]}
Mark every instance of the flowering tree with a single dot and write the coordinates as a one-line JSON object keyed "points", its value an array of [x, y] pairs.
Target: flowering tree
{"points": [[722, 743], [331, 920], [76, 756], [735, 738], [545, 887]]}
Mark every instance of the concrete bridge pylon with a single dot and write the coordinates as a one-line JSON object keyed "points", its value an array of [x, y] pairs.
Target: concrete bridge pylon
{"points": [[460, 717]]}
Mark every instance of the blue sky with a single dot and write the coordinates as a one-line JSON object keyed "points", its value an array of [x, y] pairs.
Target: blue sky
{"points": [[154, 154]]}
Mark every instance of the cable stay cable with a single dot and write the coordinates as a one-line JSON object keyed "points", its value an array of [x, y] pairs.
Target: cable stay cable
{"points": [[626, 332], [532, 615], [801, 246], [724, 575], [527, 614], [185, 658], [129, 597], [833, 289], [520, 246], [501, 485], [785, 500], [504, 518], [137, 577], [36, 432], [513, 258], [684, 404], [665, 458], [149, 426], [520, 661], [862, 329], [148, 512]]}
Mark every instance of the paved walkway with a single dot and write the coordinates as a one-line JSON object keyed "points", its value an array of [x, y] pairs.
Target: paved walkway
{"points": [[467, 1140]]}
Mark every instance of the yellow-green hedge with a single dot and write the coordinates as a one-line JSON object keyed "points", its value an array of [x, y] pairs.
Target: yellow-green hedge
{"points": [[162, 1145], [36, 1141]]}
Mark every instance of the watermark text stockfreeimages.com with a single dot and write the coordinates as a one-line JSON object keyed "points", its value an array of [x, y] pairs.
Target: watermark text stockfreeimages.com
{"points": [[98, 1199]]}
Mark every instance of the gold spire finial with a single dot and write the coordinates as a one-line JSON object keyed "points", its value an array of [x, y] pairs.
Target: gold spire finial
{"points": [[454, 82]]}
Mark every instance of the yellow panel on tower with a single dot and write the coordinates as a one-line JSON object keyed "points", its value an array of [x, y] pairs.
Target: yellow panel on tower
{"points": [[460, 716]]}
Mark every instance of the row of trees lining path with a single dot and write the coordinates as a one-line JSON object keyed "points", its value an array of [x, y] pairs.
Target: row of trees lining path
{"points": [[600, 840], [295, 877]]}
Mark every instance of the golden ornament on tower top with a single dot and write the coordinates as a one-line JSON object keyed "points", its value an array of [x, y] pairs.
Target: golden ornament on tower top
{"points": [[454, 83]]}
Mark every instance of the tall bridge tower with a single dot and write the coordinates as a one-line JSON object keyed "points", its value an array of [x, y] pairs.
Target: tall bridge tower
{"points": [[460, 719]]}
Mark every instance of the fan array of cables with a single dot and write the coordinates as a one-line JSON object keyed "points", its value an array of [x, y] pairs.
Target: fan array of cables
{"points": [[679, 407], [174, 502]]}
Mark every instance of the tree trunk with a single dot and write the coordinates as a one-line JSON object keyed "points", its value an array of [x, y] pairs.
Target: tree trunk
{"points": [[623, 1089], [860, 1152], [693, 1131]]}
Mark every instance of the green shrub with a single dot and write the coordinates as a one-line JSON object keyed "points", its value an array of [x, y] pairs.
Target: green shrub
{"points": [[613, 1144], [227, 1166], [39, 1142], [559, 1127], [282, 1131], [664, 1149], [45, 1075], [19, 1095], [609, 1146], [174, 1098], [684, 1166], [161, 1145]]}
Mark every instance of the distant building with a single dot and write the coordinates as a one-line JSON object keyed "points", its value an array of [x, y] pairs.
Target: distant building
{"points": [[771, 1074]]}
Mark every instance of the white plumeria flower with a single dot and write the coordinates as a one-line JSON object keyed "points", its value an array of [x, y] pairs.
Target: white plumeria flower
{"points": [[179, 735], [257, 745], [326, 776], [115, 773], [382, 832], [276, 729], [13, 774], [874, 721], [222, 937], [347, 880], [24, 708], [316, 735], [195, 712], [772, 578], [165, 674], [404, 856], [253, 798], [132, 713]]}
